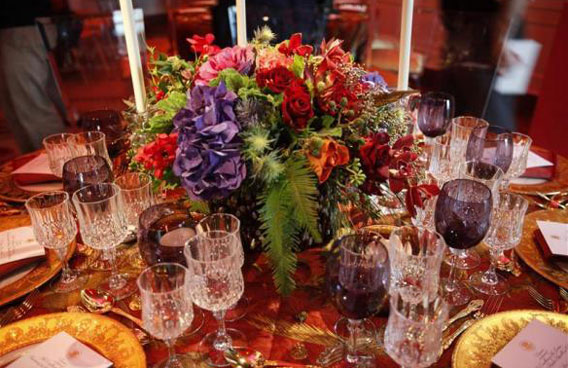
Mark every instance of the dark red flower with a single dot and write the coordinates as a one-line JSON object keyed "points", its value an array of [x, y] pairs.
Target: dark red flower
{"points": [[276, 79], [203, 45], [417, 194], [376, 158], [159, 154], [294, 46], [297, 106], [333, 56], [158, 92]]}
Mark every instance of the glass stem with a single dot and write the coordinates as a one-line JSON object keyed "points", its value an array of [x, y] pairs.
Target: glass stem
{"points": [[451, 284], [222, 341], [490, 276], [66, 275], [171, 351], [114, 280], [353, 326]]}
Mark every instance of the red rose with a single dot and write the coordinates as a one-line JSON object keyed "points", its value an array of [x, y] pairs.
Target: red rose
{"points": [[276, 79], [297, 106]]}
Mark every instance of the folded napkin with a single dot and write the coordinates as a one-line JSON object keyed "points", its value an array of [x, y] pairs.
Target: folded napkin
{"points": [[33, 170], [541, 165], [18, 248]]}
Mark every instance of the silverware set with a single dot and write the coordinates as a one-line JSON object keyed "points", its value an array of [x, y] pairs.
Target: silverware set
{"points": [[548, 303], [15, 313]]}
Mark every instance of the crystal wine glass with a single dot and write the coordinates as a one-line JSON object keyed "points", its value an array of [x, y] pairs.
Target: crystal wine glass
{"points": [[58, 151], [55, 228], [136, 192], [358, 281], [521, 147], [167, 310], [103, 226], [493, 145], [213, 258], [90, 143], [85, 170], [461, 129], [462, 217], [413, 336], [504, 234], [415, 258], [231, 224], [441, 165]]}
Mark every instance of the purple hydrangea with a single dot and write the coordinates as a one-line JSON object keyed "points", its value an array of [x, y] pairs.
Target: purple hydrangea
{"points": [[208, 158], [376, 79]]}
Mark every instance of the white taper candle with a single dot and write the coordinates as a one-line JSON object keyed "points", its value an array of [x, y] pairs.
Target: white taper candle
{"points": [[405, 44], [241, 23], [134, 59]]}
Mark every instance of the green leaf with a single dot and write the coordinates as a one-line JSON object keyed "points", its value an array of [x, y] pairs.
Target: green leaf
{"points": [[302, 184], [327, 120], [160, 124], [331, 132], [174, 101], [199, 206], [232, 79], [279, 236], [298, 66]]}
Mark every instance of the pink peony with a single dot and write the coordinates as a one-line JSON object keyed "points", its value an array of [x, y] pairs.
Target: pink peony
{"points": [[239, 58], [269, 58]]}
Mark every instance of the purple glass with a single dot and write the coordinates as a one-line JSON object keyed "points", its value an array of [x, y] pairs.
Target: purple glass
{"points": [[163, 231], [358, 281], [435, 113], [462, 217], [493, 146], [110, 123], [85, 170]]}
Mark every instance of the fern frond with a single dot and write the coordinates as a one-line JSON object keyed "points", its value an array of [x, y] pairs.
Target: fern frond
{"points": [[302, 184], [279, 235]]}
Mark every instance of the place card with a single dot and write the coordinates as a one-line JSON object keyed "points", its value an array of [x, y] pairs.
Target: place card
{"points": [[534, 160], [538, 345], [34, 171], [17, 244], [62, 351], [555, 236]]}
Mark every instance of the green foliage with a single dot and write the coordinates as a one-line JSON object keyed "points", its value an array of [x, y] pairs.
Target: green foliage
{"points": [[233, 80], [298, 66], [168, 107], [287, 207]]}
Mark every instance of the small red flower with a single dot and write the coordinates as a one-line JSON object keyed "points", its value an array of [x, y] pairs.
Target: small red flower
{"points": [[276, 79], [297, 106], [203, 45], [158, 92], [159, 154], [417, 194], [294, 46], [333, 56]]}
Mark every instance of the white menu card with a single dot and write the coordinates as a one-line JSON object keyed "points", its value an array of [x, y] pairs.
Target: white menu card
{"points": [[556, 236], [61, 351], [17, 244]]}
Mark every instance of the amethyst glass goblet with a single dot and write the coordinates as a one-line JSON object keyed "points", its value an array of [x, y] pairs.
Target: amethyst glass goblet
{"points": [[493, 146], [85, 170]]}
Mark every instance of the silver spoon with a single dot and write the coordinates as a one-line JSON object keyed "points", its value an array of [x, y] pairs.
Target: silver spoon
{"points": [[101, 302]]}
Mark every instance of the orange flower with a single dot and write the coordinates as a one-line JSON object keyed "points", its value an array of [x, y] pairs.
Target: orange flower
{"points": [[331, 154]]}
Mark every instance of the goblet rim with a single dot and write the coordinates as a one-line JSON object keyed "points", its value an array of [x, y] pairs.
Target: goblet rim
{"points": [[235, 251], [143, 289], [65, 136], [356, 233], [68, 164], [463, 118], [78, 201], [35, 197], [218, 214], [478, 184], [98, 136], [440, 247], [147, 179]]}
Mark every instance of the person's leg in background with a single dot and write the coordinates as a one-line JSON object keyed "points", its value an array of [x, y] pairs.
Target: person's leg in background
{"points": [[27, 99]]}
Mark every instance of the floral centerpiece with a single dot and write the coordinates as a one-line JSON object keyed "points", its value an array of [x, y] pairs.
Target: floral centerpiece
{"points": [[297, 133]]}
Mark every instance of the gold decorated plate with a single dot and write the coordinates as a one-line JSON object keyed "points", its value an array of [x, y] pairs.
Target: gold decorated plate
{"points": [[9, 191], [558, 183], [105, 335], [479, 343], [37, 274], [530, 252]]}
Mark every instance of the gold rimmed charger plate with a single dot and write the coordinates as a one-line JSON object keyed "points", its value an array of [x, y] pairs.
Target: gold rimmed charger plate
{"points": [[479, 343], [530, 252], [9, 191], [40, 273], [558, 183], [103, 334]]}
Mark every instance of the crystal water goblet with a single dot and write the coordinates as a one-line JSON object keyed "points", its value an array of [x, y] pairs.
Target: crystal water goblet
{"points": [[167, 309], [462, 217], [441, 166], [58, 151], [461, 129], [413, 336], [136, 192], [504, 234], [358, 282], [90, 143], [521, 148], [103, 227], [55, 228], [214, 261], [416, 256], [230, 223]]}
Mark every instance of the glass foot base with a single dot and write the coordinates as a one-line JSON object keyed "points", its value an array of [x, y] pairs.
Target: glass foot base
{"points": [[476, 281], [123, 287], [215, 357], [468, 260], [77, 282], [237, 311], [178, 361], [367, 334], [460, 295]]}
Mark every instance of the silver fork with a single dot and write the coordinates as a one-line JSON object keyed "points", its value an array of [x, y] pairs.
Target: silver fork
{"points": [[491, 306], [18, 312], [564, 294], [543, 301]]}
